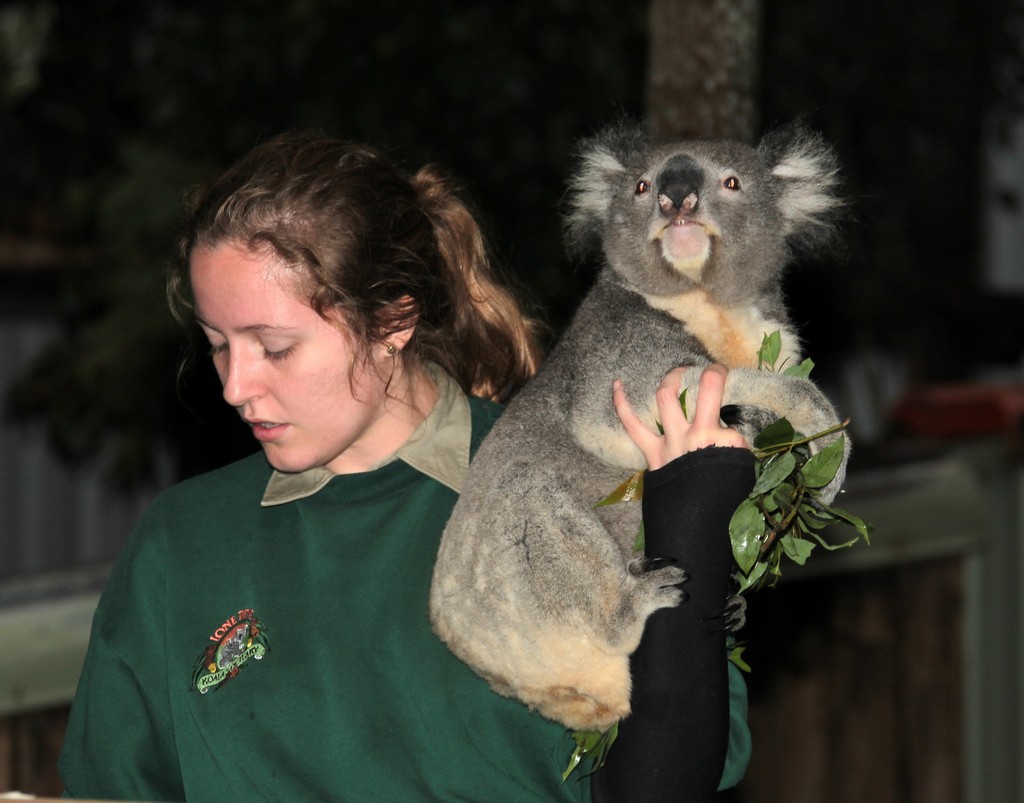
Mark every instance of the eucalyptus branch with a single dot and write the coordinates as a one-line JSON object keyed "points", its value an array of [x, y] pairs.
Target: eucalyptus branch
{"points": [[780, 527], [762, 454]]}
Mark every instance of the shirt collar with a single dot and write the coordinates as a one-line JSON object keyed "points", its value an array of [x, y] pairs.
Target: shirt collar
{"points": [[438, 447]]}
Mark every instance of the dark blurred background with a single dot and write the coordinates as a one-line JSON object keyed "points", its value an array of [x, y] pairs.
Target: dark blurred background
{"points": [[109, 109]]}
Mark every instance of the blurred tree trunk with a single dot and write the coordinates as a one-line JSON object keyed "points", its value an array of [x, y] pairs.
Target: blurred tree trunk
{"points": [[703, 70]]}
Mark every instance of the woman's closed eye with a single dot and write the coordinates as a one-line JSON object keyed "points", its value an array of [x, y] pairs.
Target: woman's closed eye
{"points": [[217, 349], [280, 354]]}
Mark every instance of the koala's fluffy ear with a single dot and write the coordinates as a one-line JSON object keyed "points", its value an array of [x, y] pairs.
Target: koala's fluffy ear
{"points": [[601, 170], [806, 173]]}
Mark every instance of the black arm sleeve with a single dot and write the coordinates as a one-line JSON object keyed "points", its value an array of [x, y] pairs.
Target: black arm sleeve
{"points": [[673, 745]]}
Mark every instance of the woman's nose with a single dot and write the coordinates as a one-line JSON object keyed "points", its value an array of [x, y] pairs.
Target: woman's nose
{"points": [[239, 379]]}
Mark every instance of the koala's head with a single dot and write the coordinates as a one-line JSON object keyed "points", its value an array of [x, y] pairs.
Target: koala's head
{"points": [[721, 215]]}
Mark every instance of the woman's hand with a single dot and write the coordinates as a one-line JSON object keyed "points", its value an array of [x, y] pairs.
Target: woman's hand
{"points": [[681, 436]]}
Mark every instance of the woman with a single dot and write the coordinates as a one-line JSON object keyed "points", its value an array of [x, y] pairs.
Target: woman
{"points": [[265, 633]]}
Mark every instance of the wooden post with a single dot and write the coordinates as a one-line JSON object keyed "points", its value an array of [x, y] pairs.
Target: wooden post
{"points": [[703, 69]]}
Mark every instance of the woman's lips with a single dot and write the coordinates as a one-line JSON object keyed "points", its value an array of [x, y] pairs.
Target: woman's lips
{"points": [[266, 431]]}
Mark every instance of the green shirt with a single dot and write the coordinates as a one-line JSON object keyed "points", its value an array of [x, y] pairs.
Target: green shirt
{"points": [[259, 644]]}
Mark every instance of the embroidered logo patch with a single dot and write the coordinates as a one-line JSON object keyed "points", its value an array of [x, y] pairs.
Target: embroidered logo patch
{"points": [[240, 638]]}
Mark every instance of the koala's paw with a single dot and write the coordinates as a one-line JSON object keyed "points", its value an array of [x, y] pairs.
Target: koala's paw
{"points": [[735, 613], [747, 420], [662, 577], [733, 616]]}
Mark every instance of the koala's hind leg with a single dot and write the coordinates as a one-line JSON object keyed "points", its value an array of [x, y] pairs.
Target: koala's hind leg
{"points": [[581, 564], [577, 668], [543, 601]]}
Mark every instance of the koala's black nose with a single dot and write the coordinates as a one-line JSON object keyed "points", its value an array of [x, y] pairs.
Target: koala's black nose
{"points": [[679, 184]]}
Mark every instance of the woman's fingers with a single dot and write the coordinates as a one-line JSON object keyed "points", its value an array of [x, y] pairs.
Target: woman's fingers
{"points": [[707, 413], [707, 428], [670, 410], [635, 428], [679, 435]]}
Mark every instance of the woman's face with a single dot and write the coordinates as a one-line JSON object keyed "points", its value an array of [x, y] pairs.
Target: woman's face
{"points": [[288, 371]]}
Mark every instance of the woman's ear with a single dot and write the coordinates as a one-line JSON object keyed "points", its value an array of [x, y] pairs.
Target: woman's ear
{"points": [[399, 319], [396, 341]]}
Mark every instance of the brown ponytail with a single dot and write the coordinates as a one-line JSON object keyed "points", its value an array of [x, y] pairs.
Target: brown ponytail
{"points": [[383, 250], [494, 347]]}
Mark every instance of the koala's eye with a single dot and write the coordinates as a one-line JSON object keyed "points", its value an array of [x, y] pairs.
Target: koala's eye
{"points": [[731, 183], [642, 186]]}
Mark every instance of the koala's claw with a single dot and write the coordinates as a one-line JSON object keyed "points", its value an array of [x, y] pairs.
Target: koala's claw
{"points": [[653, 564], [731, 415], [735, 613], [647, 565], [733, 616]]}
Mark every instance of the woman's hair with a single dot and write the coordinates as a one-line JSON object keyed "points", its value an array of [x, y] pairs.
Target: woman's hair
{"points": [[383, 250]]}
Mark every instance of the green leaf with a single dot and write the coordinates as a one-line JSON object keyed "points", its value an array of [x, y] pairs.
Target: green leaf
{"points": [[745, 530], [831, 547], [736, 656], [774, 473], [755, 579], [864, 528], [797, 549], [641, 540], [779, 433], [770, 502], [801, 371], [821, 469], [630, 490], [682, 405], [771, 347], [593, 745], [783, 497], [813, 519]]}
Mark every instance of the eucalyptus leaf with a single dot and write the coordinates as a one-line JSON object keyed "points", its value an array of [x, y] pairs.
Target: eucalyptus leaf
{"points": [[630, 490], [831, 547], [813, 519], [821, 469], [774, 473], [641, 540], [592, 745], [796, 549], [784, 496], [574, 762], [861, 526], [801, 371], [771, 347], [753, 581], [736, 656], [745, 530], [779, 433]]}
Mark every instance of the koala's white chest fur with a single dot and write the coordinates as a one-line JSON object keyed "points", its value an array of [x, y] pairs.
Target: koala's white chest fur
{"points": [[732, 335]]}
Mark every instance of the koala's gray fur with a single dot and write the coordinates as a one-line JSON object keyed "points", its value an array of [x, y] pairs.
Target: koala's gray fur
{"points": [[534, 587]]}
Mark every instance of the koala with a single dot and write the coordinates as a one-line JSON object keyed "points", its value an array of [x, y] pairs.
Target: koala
{"points": [[535, 588]]}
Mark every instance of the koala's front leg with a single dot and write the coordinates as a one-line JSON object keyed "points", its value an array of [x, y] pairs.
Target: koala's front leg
{"points": [[755, 398]]}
